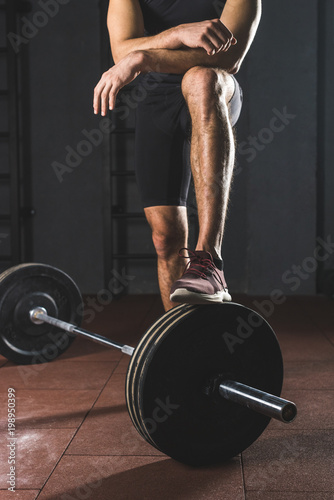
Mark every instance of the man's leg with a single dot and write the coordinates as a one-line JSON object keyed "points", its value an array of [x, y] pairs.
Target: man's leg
{"points": [[169, 226], [207, 92]]}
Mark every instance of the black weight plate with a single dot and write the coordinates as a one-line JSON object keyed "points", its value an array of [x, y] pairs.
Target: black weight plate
{"points": [[136, 361], [176, 387], [23, 288], [136, 358]]}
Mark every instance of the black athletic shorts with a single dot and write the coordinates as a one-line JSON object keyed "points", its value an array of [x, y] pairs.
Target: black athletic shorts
{"points": [[162, 144]]}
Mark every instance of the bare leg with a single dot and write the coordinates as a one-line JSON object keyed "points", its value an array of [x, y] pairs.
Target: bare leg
{"points": [[207, 92], [169, 226]]}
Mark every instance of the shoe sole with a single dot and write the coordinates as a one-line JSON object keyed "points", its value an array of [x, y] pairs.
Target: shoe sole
{"points": [[184, 296]]}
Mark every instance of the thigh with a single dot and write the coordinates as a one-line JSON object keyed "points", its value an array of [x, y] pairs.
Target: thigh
{"points": [[163, 175]]}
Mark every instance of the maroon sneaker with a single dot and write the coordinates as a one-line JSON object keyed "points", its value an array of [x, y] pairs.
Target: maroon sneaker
{"points": [[201, 282]]}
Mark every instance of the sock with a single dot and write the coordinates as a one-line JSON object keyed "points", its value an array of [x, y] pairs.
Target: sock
{"points": [[218, 263]]}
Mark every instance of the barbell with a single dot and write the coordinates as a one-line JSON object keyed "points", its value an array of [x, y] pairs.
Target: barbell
{"points": [[202, 383]]}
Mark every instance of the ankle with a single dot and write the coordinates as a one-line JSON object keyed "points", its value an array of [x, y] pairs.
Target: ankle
{"points": [[215, 252]]}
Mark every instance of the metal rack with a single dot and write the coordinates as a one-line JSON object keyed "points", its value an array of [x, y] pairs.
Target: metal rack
{"points": [[116, 214], [10, 242]]}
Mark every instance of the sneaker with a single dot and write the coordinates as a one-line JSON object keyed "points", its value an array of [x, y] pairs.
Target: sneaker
{"points": [[201, 282]]}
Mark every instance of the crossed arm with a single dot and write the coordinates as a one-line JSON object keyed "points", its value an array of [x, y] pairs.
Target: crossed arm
{"points": [[219, 43]]}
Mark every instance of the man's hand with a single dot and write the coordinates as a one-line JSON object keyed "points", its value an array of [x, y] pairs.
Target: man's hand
{"points": [[124, 72], [212, 36]]}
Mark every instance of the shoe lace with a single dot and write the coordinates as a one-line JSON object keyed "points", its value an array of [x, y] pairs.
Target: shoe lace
{"points": [[199, 265]]}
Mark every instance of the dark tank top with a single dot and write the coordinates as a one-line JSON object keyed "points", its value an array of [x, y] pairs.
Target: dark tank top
{"points": [[160, 15]]}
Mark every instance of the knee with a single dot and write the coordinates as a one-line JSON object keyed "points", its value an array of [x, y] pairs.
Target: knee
{"points": [[200, 80], [167, 243], [204, 86]]}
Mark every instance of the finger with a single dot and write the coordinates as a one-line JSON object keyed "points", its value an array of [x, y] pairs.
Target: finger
{"points": [[105, 100], [207, 45], [216, 41], [225, 30], [216, 37], [226, 35], [226, 46], [211, 50], [112, 99], [221, 30], [96, 99], [212, 42], [116, 87]]}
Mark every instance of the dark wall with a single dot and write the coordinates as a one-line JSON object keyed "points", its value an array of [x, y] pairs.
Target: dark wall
{"points": [[325, 180], [282, 92], [67, 186], [275, 215]]}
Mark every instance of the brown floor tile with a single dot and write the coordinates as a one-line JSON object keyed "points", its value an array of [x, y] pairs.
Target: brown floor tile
{"points": [[315, 410], [108, 429], [293, 325], [86, 350], [153, 313], [304, 346], [320, 311], [297, 316], [122, 366], [57, 375], [291, 495], [330, 337], [113, 392], [122, 318], [290, 461], [276, 313], [19, 495], [56, 409], [142, 478], [309, 375], [37, 452], [3, 361]]}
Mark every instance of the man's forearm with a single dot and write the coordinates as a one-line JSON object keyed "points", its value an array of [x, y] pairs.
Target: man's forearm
{"points": [[181, 60], [165, 40]]}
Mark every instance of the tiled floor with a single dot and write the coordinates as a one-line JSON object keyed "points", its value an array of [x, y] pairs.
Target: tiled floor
{"points": [[75, 439]]}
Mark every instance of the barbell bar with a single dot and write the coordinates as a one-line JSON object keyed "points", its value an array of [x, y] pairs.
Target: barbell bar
{"points": [[202, 383], [39, 315], [254, 399]]}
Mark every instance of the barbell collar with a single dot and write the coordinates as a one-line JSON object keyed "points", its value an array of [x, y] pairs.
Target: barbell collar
{"points": [[260, 401], [39, 315]]}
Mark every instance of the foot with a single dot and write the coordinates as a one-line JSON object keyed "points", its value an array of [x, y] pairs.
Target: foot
{"points": [[201, 282]]}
